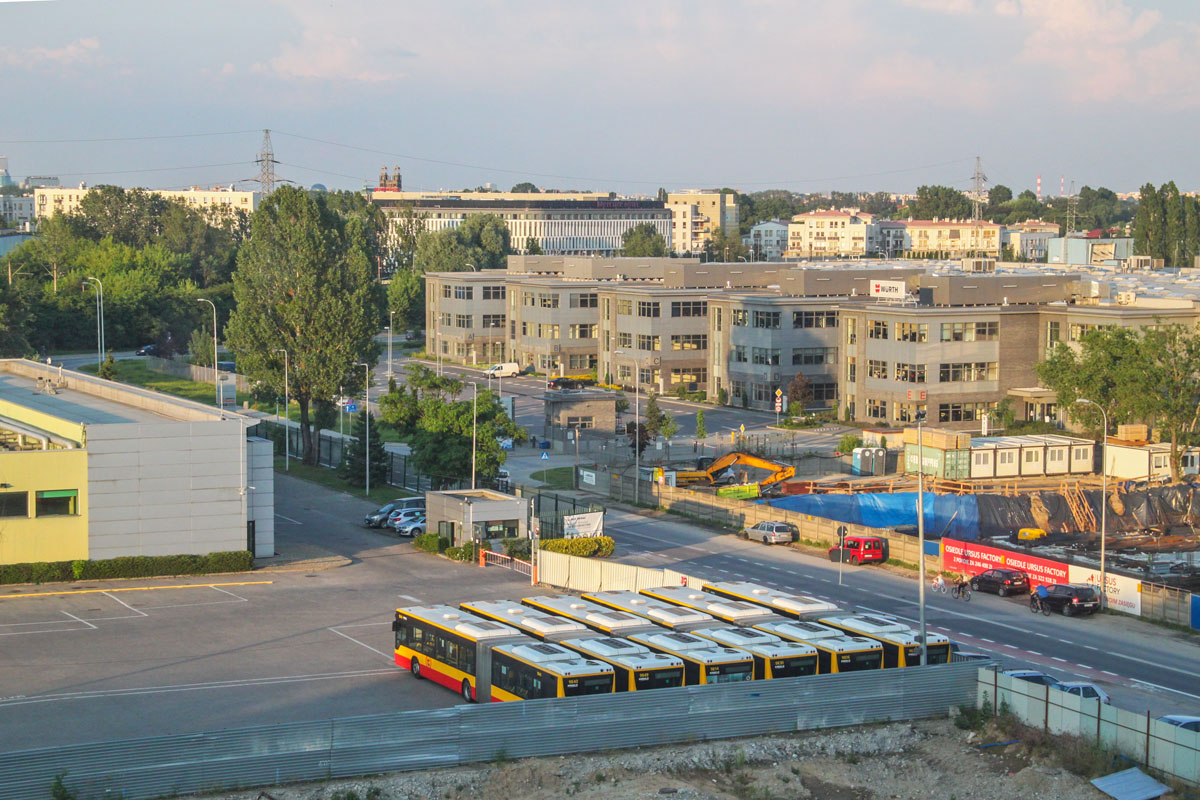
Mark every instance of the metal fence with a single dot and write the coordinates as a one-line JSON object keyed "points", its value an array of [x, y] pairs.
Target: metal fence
{"points": [[341, 748]]}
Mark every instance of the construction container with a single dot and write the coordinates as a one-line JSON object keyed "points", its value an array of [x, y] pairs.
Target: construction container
{"points": [[954, 465], [939, 438]]}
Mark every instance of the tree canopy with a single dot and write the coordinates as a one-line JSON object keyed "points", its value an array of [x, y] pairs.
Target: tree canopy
{"points": [[441, 441], [482, 240], [643, 241]]}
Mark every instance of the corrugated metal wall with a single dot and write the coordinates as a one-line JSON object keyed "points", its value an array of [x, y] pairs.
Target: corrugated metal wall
{"points": [[146, 768], [593, 575]]}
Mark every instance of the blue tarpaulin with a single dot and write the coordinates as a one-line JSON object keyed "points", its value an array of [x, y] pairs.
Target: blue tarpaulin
{"points": [[945, 514]]}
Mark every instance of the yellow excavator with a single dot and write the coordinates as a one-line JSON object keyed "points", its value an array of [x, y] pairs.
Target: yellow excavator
{"points": [[723, 470]]}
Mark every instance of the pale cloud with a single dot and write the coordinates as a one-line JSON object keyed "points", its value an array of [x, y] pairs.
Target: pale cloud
{"points": [[942, 6], [77, 53], [915, 77], [227, 69]]}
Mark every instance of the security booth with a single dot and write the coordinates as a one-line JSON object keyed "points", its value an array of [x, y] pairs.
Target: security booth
{"points": [[474, 515], [579, 410]]}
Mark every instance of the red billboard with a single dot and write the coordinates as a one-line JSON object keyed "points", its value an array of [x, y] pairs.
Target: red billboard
{"points": [[972, 558]]}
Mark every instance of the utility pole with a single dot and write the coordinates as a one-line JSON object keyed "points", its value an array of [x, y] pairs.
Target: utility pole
{"points": [[978, 196], [367, 437], [216, 377], [1072, 200]]}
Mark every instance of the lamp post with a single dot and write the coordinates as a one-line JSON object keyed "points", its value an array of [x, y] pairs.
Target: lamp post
{"points": [[100, 283], [921, 531], [474, 436], [216, 385], [1103, 498], [391, 331], [287, 413], [637, 430], [99, 336], [367, 437], [472, 266]]}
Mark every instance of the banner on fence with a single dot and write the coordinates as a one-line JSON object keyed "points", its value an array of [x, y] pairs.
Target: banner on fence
{"points": [[582, 526], [1124, 593], [971, 559]]}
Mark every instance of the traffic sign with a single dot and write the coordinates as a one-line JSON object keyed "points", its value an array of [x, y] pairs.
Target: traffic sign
{"points": [[778, 404], [545, 456], [351, 408], [742, 428], [779, 392]]}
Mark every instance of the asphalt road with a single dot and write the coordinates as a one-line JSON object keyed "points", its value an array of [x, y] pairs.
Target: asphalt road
{"points": [[1141, 666]]}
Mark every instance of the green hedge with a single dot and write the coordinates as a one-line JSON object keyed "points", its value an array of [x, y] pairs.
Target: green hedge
{"points": [[465, 553], [127, 567], [517, 548], [431, 543], [595, 546]]}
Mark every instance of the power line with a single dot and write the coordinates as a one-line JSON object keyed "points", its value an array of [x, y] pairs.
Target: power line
{"points": [[134, 171], [122, 138]]}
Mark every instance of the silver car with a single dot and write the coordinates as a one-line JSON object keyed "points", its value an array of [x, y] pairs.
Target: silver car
{"points": [[414, 526], [772, 532]]}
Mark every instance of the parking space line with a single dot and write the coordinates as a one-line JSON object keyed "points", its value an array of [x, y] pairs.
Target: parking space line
{"points": [[77, 619], [409, 598], [122, 602], [289, 519], [237, 597], [388, 656], [134, 589]]}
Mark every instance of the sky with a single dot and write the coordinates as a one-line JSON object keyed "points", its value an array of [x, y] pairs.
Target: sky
{"points": [[619, 95]]}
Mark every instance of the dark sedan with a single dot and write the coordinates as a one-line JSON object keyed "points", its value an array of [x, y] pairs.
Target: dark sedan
{"points": [[147, 350], [1072, 599], [1001, 581]]}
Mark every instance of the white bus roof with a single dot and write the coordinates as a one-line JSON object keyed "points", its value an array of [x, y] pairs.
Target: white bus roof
{"points": [[649, 607], [525, 618], [731, 636], [712, 604], [460, 622], [870, 624], [627, 654], [821, 636], [791, 603], [555, 659], [692, 647], [587, 612]]}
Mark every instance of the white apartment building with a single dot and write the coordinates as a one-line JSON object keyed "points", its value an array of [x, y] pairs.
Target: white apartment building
{"points": [[832, 233], [49, 200], [1028, 240], [696, 215], [767, 240], [17, 210]]}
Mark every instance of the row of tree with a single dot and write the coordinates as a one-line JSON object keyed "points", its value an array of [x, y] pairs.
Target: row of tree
{"points": [[1167, 225]]}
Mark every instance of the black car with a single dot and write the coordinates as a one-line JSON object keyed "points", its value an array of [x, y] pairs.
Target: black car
{"points": [[568, 383], [147, 350], [1071, 599], [1001, 581]]}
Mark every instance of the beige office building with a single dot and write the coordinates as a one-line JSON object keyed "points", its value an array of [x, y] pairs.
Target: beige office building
{"points": [[695, 215], [832, 233]]}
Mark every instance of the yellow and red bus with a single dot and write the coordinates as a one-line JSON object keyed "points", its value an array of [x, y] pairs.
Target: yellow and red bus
{"points": [[530, 621], [796, 606], [449, 646], [636, 666], [668, 615], [724, 609], [601, 619], [901, 644], [773, 657], [704, 661], [536, 670], [836, 652]]}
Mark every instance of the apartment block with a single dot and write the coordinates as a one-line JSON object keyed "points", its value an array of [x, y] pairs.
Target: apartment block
{"points": [[50, 200], [832, 233], [768, 240], [696, 215]]}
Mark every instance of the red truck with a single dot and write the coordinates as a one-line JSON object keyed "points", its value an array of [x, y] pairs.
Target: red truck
{"points": [[859, 550]]}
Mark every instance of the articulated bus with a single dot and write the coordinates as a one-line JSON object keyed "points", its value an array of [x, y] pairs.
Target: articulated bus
{"points": [[901, 644], [796, 606], [668, 615], [595, 616], [773, 657], [533, 670], [530, 621], [732, 612], [637, 667], [703, 661], [836, 652], [450, 647]]}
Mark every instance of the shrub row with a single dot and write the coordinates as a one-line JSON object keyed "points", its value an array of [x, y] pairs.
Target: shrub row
{"points": [[431, 542], [593, 546], [516, 548], [465, 553], [127, 567]]}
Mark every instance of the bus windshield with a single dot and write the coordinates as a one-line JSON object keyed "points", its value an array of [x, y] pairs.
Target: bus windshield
{"points": [[659, 678], [794, 666], [730, 673], [850, 662], [593, 684]]}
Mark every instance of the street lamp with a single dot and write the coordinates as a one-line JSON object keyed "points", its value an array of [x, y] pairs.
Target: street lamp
{"points": [[920, 415], [367, 438], [216, 386], [100, 283], [1103, 497], [637, 430], [391, 330], [472, 266], [474, 436], [99, 335], [287, 412]]}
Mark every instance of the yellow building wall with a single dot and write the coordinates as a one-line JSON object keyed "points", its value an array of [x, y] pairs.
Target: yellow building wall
{"points": [[43, 421], [52, 538]]}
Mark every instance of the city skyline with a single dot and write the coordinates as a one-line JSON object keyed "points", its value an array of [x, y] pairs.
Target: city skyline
{"points": [[810, 97]]}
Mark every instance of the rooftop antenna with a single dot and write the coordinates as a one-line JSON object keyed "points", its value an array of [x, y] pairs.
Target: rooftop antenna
{"points": [[266, 165]]}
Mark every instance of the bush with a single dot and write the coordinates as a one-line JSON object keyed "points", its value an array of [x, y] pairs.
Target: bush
{"points": [[465, 553], [849, 442], [127, 567], [595, 546], [454, 554], [431, 542], [517, 548]]}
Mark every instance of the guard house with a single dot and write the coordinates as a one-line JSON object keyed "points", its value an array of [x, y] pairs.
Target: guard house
{"points": [[579, 410], [473, 515]]}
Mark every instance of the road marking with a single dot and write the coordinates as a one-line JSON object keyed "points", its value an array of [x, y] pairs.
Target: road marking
{"points": [[408, 597], [1165, 688], [1056, 658], [77, 619], [135, 589], [989, 641], [1085, 666], [122, 602], [390, 657], [289, 519], [1089, 647]]}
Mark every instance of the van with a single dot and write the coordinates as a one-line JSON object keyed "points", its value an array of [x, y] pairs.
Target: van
{"points": [[507, 369]]}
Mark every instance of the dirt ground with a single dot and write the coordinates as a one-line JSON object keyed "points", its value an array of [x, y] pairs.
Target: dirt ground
{"points": [[900, 761]]}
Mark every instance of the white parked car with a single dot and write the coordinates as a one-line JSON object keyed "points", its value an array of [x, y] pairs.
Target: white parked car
{"points": [[411, 527], [1182, 721], [404, 515], [1088, 690], [772, 532]]}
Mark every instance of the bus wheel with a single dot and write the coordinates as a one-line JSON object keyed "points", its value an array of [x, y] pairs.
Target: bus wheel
{"points": [[414, 667], [466, 691]]}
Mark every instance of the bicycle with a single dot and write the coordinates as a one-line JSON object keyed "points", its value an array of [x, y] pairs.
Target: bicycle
{"points": [[1036, 605], [938, 586], [961, 591]]}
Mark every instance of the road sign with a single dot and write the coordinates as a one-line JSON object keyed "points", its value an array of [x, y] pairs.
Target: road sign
{"points": [[545, 456], [351, 408], [779, 392], [742, 428], [778, 404]]}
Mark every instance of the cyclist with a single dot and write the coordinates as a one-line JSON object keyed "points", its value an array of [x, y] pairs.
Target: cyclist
{"points": [[962, 585], [1037, 598], [939, 583]]}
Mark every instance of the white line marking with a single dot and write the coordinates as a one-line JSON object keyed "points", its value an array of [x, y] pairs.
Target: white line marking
{"points": [[1166, 688], [1056, 658], [1033, 652], [231, 594], [77, 619], [408, 597], [390, 657], [990, 641], [1084, 666], [122, 602], [289, 519]]}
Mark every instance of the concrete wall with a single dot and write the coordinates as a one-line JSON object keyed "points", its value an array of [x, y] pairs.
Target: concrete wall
{"points": [[165, 488], [260, 498]]}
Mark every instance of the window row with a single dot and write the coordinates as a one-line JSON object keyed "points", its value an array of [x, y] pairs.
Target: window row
{"points": [[968, 371], [50, 503]]}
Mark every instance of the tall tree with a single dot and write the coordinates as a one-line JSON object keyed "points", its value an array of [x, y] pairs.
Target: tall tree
{"points": [[1174, 220], [725, 246], [939, 202], [406, 229], [999, 194], [799, 393], [653, 415], [524, 187], [532, 248], [303, 284], [1149, 226], [441, 444], [1101, 369], [1167, 386], [643, 241], [406, 297]]}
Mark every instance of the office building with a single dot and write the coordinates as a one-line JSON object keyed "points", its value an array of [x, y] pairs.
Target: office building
{"points": [[696, 215]]}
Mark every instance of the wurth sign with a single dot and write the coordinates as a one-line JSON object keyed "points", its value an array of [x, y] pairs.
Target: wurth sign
{"points": [[888, 290]]}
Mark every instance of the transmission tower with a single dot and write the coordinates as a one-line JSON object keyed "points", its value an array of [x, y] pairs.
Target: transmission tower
{"points": [[1071, 202], [978, 190], [266, 165]]}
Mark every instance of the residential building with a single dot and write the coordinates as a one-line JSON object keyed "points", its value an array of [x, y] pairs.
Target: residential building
{"points": [[563, 224], [50, 200], [94, 469], [832, 233], [1027, 241], [767, 240], [951, 238], [17, 210], [696, 215]]}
